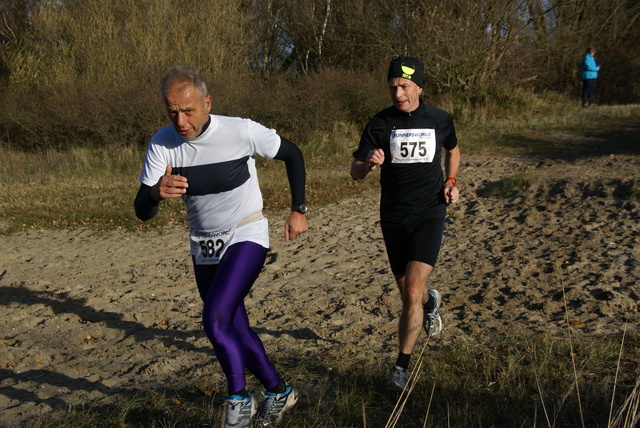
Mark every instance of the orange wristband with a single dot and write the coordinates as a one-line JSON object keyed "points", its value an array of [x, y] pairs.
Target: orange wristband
{"points": [[451, 179]]}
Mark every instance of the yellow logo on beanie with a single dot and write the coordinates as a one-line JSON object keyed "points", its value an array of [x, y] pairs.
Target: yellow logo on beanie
{"points": [[407, 72]]}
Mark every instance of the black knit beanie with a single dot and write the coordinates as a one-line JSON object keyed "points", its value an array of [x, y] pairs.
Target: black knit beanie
{"points": [[408, 68]]}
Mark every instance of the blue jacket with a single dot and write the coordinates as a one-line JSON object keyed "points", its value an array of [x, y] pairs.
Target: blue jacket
{"points": [[589, 67]]}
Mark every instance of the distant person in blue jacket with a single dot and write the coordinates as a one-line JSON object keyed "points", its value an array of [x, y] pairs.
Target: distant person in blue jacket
{"points": [[589, 75]]}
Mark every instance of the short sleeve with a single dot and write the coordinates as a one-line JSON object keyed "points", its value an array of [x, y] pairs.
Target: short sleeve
{"points": [[265, 141]]}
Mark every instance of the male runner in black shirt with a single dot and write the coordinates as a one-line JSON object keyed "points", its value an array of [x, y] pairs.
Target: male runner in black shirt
{"points": [[406, 141]]}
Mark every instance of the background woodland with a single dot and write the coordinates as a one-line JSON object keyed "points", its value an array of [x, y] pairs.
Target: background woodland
{"points": [[85, 72]]}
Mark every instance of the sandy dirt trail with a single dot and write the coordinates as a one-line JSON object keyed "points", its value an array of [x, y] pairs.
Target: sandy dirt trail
{"points": [[88, 317]]}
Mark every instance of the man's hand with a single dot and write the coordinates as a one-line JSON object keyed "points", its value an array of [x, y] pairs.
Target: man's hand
{"points": [[451, 192], [375, 158], [169, 186], [360, 169], [295, 226]]}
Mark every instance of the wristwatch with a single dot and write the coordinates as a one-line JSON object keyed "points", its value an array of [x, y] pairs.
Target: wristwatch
{"points": [[302, 208]]}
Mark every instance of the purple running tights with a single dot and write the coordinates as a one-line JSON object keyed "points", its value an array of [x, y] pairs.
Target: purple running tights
{"points": [[223, 288]]}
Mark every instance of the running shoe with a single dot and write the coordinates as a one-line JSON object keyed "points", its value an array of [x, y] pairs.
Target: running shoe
{"points": [[274, 405], [239, 411], [399, 377], [432, 320]]}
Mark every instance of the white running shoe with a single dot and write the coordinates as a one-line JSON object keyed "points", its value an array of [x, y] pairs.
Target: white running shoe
{"points": [[432, 321], [239, 411], [399, 377], [274, 405]]}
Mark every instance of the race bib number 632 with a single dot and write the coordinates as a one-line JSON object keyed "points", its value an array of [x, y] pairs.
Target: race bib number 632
{"points": [[413, 145]]}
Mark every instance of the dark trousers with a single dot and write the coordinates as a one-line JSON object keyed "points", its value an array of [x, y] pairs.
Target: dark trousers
{"points": [[588, 86]]}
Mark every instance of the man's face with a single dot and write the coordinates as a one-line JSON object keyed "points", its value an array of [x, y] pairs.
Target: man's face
{"points": [[187, 109], [405, 94]]}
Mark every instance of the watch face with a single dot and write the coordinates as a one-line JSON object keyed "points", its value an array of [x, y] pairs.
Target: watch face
{"points": [[302, 208]]}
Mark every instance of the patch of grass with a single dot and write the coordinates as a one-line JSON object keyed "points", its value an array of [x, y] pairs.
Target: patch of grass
{"points": [[95, 187], [561, 130], [502, 381]]}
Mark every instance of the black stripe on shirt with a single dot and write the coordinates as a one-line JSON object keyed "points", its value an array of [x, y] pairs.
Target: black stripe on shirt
{"points": [[215, 177]]}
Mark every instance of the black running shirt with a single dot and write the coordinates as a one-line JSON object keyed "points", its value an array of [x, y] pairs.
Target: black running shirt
{"points": [[411, 177]]}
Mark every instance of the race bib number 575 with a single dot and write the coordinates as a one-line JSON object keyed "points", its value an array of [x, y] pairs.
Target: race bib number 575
{"points": [[413, 145]]}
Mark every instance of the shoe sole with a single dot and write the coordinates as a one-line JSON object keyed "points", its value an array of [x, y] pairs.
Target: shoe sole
{"points": [[438, 298], [435, 331]]}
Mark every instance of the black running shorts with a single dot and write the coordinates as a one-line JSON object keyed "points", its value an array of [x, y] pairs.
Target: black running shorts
{"points": [[419, 242]]}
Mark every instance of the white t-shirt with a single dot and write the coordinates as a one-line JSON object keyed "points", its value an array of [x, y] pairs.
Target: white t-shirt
{"points": [[220, 169]]}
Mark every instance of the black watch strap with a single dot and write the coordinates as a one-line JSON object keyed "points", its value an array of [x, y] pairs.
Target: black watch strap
{"points": [[301, 208]]}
